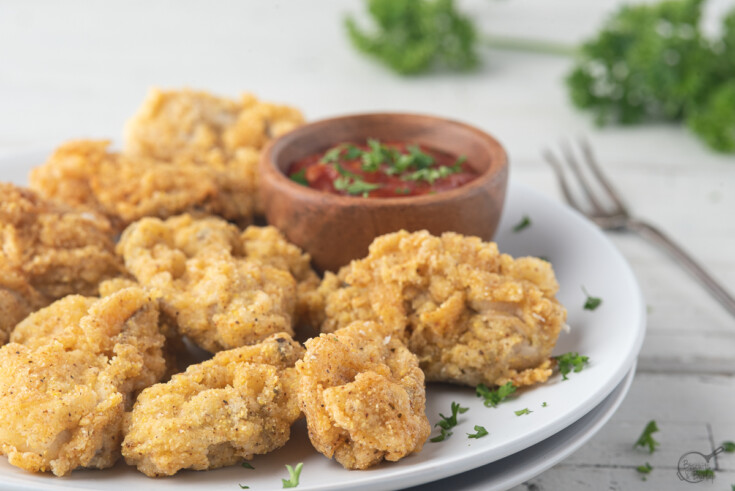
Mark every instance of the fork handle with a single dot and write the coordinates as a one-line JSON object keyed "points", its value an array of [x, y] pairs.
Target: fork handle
{"points": [[656, 236]]}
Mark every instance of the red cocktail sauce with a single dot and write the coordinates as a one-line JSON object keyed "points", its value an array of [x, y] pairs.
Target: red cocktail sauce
{"points": [[345, 172]]}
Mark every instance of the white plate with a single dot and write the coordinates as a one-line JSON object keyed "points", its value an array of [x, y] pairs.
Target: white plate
{"points": [[611, 336], [526, 464]]}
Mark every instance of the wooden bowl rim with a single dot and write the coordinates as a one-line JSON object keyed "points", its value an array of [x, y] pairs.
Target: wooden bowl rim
{"points": [[276, 145]]}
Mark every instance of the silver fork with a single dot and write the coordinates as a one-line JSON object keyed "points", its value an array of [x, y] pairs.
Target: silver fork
{"points": [[609, 213]]}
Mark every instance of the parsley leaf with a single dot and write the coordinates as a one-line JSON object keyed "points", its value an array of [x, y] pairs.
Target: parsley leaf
{"points": [[299, 177], [247, 465], [525, 222], [448, 422], [494, 397], [412, 36], [543, 404], [646, 439], [569, 361], [523, 411], [242, 486], [644, 469], [332, 155], [480, 432], [652, 62], [294, 474], [728, 446], [592, 302]]}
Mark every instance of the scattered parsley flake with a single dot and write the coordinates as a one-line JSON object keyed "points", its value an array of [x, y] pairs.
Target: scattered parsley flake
{"points": [[644, 469], [494, 397], [294, 474], [299, 177], [332, 155], [242, 486], [352, 152], [544, 258], [543, 404], [592, 302], [704, 473], [728, 446], [247, 465], [449, 422], [646, 439], [523, 411], [481, 431], [525, 222], [570, 361]]}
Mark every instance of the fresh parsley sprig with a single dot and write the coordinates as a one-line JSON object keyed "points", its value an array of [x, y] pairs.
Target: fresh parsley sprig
{"points": [[494, 397], [571, 361], [646, 439], [412, 36], [523, 411], [448, 422]]}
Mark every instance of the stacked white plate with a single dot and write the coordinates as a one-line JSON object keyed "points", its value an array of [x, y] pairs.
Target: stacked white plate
{"points": [[562, 416]]}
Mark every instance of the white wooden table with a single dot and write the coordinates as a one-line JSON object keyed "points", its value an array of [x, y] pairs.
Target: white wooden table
{"points": [[78, 69]]}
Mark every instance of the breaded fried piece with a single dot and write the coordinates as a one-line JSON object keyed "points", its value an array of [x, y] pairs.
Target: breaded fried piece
{"points": [[194, 125], [48, 251], [176, 122], [125, 188], [239, 404], [208, 286], [363, 396], [470, 314], [67, 376]]}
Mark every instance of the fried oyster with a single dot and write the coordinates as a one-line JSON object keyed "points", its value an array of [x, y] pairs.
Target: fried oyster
{"points": [[220, 132], [363, 396], [470, 314], [220, 287], [240, 403], [67, 376], [124, 187], [48, 251]]}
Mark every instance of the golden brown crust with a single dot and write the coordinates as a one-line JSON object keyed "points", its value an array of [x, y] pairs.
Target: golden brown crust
{"points": [[127, 187], [223, 289], [470, 314], [363, 396], [193, 125], [48, 251], [240, 403], [67, 376]]}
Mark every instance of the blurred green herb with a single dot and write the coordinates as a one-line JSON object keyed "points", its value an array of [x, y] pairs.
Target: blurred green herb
{"points": [[651, 62], [591, 303], [644, 469], [300, 177], [523, 411], [646, 439], [728, 446], [525, 222], [413, 36]]}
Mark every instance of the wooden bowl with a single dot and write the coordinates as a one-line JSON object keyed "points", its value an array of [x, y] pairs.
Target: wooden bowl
{"points": [[335, 229]]}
